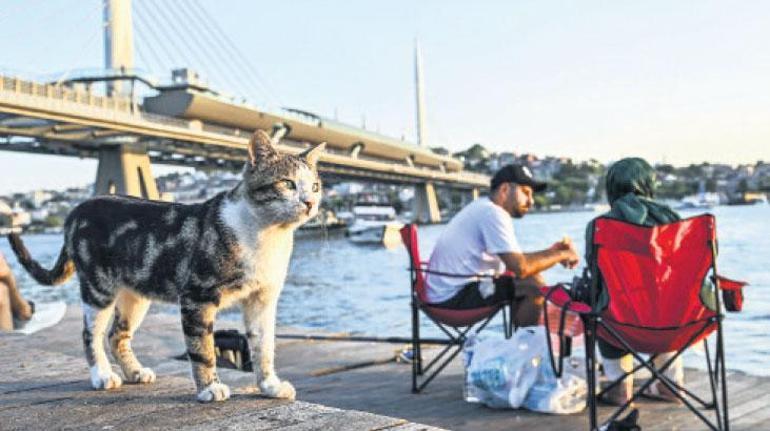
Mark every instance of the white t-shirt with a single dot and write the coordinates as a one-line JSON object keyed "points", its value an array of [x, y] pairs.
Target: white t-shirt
{"points": [[470, 244]]}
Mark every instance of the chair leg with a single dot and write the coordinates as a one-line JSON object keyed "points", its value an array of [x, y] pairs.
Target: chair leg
{"points": [[441, 366], [506, 326], [416, 366], [590, 346], [712, 379], [721, 359]]}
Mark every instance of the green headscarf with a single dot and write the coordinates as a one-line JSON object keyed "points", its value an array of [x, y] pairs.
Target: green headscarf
{"points": [[630, 190]]}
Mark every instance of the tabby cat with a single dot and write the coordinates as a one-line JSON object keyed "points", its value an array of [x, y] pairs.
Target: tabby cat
{"points": [[231, 249]]}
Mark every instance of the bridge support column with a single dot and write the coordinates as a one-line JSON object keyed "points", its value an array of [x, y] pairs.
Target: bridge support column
{"points": [[469, 196], [125, 170], [426, 204]]}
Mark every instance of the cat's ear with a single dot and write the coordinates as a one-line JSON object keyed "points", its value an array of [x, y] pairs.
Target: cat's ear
{"points": [[260, 148], [311, 155]]}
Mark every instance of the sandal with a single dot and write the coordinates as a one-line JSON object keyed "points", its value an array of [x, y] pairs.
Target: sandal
{"points": [[618, 395], [660, 392]]}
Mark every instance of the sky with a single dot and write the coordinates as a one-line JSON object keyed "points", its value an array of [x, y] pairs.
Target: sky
{"points": [[677, 82]]}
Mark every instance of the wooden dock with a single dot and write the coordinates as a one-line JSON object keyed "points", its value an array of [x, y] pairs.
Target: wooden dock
{"points": [[341, 385]]}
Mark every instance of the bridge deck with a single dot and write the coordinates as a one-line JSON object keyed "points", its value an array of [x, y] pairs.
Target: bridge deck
{"points": [[341, 385], [77, 123]]}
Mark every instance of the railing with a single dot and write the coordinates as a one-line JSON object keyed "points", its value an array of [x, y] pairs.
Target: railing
{"points": [[119, 106], [58, 92]]}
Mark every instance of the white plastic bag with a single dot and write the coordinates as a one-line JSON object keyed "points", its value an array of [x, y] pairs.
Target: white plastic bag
{"points": [[562, 396], [500, 372]]}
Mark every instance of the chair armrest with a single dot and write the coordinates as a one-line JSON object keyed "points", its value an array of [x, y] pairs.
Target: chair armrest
{"points": [[559, 296], [730, 284]]}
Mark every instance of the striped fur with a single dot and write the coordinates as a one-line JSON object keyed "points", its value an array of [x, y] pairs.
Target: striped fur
{"points": [[231, 249]]}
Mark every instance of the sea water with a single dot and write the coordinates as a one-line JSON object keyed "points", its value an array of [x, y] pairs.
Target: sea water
{"points": [[336, 285]]}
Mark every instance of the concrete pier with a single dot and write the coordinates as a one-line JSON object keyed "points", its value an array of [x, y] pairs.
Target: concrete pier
{"points": [[341, 385]]}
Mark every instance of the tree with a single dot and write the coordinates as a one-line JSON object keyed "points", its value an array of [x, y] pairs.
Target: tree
{"points": [[53, 221]]}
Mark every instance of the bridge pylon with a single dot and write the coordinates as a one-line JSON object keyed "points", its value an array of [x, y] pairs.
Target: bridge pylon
{"points": [[124, 169], [426, 204]]}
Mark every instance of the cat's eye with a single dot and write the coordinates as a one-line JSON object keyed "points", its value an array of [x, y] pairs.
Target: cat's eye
{"points": [[289, 184], [316, 187]]}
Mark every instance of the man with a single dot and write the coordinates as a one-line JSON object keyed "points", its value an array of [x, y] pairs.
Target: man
{"points": [[480, 240]]}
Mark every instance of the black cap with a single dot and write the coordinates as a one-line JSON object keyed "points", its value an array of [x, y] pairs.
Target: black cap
{"points": [[517, 174]]}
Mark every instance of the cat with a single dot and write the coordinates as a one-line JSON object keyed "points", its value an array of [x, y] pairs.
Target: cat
{"points": [[233, 248]]}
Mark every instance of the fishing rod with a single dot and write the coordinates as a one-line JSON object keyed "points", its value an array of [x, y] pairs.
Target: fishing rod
{"points": [[361, 339]]}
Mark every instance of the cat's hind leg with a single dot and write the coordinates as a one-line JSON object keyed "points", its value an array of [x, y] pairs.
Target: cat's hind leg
{"points": [[198, 327], [259, 312], [95, 321], [130, 309]]}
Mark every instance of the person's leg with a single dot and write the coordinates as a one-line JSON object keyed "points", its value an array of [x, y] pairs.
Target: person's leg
{"points": [[616, 363], [6, 320], [469, 296], [525, 294], [528, 301], [675, 373]]}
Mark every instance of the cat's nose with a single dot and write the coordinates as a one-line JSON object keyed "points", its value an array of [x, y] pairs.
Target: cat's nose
{"points": [[309, 205]]}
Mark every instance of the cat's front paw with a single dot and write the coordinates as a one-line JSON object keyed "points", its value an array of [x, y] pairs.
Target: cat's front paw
{"points": [[106, 379], [214, 392], [275, 388], [142, 375]]}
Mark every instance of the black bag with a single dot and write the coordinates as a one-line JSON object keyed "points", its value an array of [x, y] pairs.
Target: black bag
{"points": [[232, 349], [580, 290]]}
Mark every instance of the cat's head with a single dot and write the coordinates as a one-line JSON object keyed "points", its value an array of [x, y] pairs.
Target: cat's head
{"points": [[283, 188]]}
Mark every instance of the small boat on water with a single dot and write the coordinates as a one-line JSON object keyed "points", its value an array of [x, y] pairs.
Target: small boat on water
{"points": [[325, 224], [374, 223], [699, 201]]}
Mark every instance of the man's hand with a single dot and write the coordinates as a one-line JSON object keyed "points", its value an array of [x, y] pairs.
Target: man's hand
{"points": [[525, 265], [570, 257]]}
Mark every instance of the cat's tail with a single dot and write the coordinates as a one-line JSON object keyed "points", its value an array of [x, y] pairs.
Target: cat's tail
{"points": [[61, 271]]}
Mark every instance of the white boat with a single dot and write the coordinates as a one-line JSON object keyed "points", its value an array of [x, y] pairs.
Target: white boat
{"points": [[374, 224], [699, 201], [326, 223]]}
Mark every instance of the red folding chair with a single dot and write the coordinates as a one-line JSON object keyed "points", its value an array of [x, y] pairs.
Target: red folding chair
{"points": [[455, 324], [653, 278]]}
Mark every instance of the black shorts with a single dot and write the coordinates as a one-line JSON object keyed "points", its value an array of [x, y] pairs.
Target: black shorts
{"points": [[523, 294]]}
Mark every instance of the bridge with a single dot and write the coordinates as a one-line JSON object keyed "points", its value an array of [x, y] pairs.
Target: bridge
{"points": [[188, 124]]}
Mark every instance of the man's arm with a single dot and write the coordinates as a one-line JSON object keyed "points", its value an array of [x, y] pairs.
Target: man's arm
{"points": [[528, 264]]}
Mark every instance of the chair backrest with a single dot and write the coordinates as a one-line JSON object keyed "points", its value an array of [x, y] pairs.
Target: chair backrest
{"points": [[409, 237], [653, 275]]}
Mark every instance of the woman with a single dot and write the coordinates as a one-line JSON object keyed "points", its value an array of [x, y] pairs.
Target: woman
{"points": [[630, 187], [12, 305]]}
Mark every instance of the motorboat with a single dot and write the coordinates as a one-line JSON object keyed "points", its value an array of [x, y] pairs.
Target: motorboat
{"points": [[699, 201], [374, 223], [326, 223]]}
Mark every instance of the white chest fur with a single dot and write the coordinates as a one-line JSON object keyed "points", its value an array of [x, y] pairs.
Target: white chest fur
{"points": [[264, 250]]}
